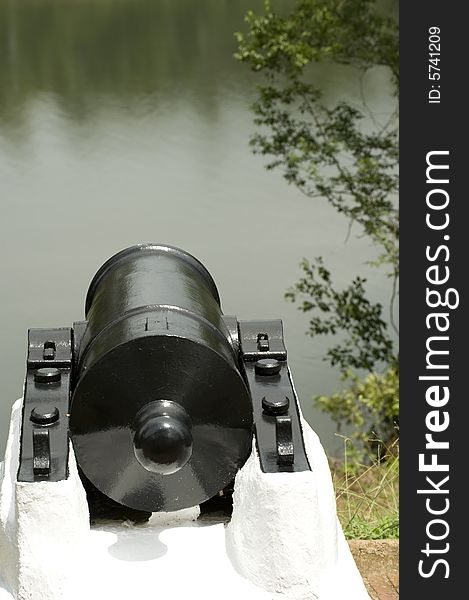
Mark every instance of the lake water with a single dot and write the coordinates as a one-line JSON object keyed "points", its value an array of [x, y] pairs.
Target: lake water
{"points": [[128, 121]]}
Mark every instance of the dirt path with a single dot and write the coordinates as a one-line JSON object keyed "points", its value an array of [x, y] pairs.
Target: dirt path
{"points": [[378, 562]]}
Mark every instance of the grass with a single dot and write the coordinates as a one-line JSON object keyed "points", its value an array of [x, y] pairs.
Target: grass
{"points": [[368, 495]]}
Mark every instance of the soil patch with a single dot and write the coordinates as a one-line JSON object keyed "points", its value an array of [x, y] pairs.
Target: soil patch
{"points": [[378, 562]]}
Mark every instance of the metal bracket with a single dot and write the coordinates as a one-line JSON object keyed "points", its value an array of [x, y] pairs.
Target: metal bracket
{"points": [[44, 431], [279, 436]]}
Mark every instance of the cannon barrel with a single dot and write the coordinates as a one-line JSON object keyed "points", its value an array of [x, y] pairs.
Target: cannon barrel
{"points": [[160, 418]]}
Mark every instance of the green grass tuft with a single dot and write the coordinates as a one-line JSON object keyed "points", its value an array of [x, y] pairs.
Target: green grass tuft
{"points": [[368, 495]]}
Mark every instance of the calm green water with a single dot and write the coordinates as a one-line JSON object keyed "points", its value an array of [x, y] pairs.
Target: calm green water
{"points": [[126, 121]]}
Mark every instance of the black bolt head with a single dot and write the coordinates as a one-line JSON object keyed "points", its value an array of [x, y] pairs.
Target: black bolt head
{"points": [[47, 375], [267, 366], [44, 415], [275, 406], [48, 354]]}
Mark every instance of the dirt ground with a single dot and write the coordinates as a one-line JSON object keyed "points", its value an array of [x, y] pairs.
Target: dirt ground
{"points": [[378, 562]]}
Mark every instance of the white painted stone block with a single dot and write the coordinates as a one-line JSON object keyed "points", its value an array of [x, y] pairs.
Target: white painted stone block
{"points": [[284, 534]]}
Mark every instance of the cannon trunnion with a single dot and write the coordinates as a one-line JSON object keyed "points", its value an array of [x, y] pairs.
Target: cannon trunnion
{"points": [[159, 392]]}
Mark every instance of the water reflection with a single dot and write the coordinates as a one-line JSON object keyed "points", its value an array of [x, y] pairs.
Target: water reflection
{"points": [[89, 53]]}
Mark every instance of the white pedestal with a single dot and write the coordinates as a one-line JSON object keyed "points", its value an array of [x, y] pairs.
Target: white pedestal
{"points": [[283, 541]]}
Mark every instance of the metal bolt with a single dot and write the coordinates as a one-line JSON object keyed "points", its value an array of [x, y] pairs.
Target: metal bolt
{"points": [[47, 375], [48, 354], [276, 406], [44, 415], [267, 366], [263, 342]]}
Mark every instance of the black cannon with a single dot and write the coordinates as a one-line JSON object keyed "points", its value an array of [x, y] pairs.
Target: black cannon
{"points": [[160, 392]]}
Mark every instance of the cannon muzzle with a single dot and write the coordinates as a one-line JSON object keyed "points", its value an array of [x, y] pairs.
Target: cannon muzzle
{"points": [[160, 418]]}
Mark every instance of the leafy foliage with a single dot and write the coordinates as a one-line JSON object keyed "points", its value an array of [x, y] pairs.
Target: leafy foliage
{"points": [[370, 405], [348, 310], [350, 32], [338, 154], [331, 153]]}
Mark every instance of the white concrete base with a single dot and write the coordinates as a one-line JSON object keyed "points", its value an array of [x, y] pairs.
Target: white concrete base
{"points": [[284, 534], [283, 541], [44, 528]]}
